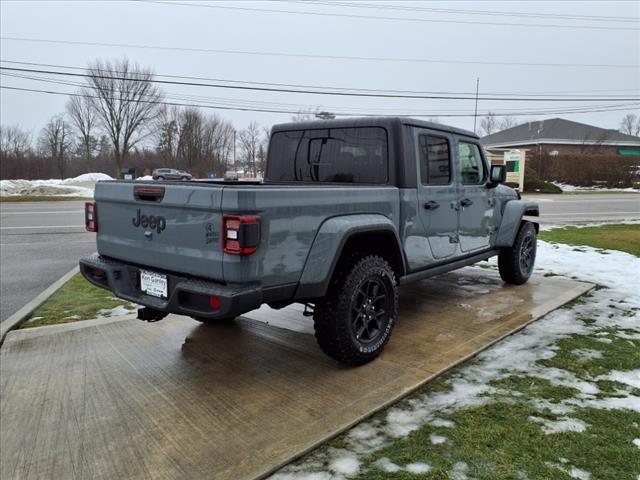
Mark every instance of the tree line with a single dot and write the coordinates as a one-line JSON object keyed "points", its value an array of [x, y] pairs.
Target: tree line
{"points": [[118, 118]]}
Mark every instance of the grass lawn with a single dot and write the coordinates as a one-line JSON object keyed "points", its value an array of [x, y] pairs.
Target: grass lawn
{"points": [[76, 300], [40, 198], [621, 237]]}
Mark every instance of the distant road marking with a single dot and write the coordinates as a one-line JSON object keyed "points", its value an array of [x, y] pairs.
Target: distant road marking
{"points": [[42, 243], [43, 226], [46, 211]]}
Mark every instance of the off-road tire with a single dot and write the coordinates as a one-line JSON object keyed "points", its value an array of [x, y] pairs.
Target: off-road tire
{"points": [[336, 319], [214, 321], [516, 263]]}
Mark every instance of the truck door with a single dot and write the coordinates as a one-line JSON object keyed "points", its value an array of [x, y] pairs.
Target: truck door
{"points": [[475, 201], [437, 192]]}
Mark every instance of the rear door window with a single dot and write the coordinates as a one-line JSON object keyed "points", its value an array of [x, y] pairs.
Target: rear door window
{"points": [[471, 164], [339, 155], [435, 160]]}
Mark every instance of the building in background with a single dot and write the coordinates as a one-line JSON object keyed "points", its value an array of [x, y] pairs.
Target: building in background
{"points": [[571, 152]]}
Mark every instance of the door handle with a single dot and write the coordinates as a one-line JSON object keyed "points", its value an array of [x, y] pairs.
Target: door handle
{"points": [[431, 205], [466, 202]]}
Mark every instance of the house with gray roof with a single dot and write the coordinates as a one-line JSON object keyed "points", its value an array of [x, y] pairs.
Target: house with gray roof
{"points": [[557, 136]]}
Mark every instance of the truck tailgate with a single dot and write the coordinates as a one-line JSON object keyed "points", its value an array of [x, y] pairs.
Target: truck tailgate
{"points": [[168, 226]]}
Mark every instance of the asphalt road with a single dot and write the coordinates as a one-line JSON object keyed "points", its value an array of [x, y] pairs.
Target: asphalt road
{"points": [[587, 208], [41, 241]]}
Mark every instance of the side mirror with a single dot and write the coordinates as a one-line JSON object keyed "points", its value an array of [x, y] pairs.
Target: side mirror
{"points": [[497, 175]]}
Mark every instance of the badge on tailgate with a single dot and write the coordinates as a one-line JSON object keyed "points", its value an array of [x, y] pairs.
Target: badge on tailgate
{"points": [[154, 284]]}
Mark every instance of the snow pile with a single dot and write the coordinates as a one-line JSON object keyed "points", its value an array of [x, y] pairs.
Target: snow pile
{"points": [[145, 177], [574, 188], [613, 311], [80, 186]]}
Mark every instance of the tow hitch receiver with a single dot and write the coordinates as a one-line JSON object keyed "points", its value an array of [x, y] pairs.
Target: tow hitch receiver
{"points": [[148, 314]]}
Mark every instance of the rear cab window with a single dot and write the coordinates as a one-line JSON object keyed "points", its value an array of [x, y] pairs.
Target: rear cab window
{"points": [[335, 155]]}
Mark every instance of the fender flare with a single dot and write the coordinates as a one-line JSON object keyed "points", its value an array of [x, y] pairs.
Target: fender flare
{"points": [[328, 245], [514, 210]]}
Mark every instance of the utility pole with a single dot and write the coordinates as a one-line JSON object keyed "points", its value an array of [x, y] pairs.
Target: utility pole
{"points": [[475, 113], [234, 149]]}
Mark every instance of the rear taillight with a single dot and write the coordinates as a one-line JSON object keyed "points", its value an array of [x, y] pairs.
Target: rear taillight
{"points": [[90, 217], [240, 234]]}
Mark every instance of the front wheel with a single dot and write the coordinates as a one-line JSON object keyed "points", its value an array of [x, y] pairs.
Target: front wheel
{"points": [[353, 322], [516, 263]]}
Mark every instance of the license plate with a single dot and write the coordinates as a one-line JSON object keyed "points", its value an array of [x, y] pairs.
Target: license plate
{"points": [[154, 284]]}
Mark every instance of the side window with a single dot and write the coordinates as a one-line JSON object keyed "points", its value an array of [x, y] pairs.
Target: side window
{"points": [[435, 160], [471, 165]]}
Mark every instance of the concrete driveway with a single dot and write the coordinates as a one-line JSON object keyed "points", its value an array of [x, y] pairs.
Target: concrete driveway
{"points": [[126, 399]]}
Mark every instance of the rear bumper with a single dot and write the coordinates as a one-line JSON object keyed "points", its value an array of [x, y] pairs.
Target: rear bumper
{"points": [[185, 295]]}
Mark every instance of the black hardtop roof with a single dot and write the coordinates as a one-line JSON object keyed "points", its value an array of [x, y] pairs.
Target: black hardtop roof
{"points": [[369, 122]]}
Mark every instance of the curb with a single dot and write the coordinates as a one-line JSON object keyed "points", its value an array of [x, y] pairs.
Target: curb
{"points": [[21, 315]]}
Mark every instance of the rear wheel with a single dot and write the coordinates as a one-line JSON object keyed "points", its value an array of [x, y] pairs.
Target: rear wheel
{"points": [[353, 322], [516, 263], [160, 178]]}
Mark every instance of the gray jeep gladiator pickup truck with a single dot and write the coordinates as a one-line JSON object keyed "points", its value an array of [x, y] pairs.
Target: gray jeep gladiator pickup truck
{"points": [[348, 210]]}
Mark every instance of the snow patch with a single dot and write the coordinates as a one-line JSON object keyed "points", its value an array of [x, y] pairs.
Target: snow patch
{"points": [[573, 472], [630, 377], [81, 186], [585, 354], [437, 439], [114, 312], [345, 464], [417, 467], [575, 188], [564, 424], [459, 471], [636, 442]]}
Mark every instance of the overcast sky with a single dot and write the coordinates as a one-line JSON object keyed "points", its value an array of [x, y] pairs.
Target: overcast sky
{"points": [[447, 36]]}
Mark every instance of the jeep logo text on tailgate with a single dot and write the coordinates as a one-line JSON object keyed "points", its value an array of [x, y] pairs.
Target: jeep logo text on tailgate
{"points": [[150, 221]]}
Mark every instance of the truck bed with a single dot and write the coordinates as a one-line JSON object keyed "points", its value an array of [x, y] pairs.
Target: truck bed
{"points": [[190, 242]]}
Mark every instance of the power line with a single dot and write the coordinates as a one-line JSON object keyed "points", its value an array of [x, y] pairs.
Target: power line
{"points": [[413, 8], [322, 57], [348, 114], [354, 89], [373, 17], [298, 107], [313, 92]]}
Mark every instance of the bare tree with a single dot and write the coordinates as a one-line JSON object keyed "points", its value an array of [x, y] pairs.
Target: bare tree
{"points": [[84, 118], [190, 142], [507, 122], [166, 132], [14, 141], [630, 124], [250, 143], [55, 140], [126, 102], [305, 115], [488, 124]]}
